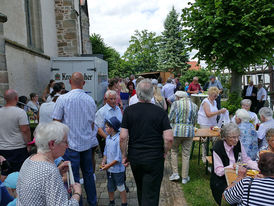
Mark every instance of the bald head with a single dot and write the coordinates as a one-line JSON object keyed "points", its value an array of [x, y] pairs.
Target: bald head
{"points": [[77, 80], [11, 96]]}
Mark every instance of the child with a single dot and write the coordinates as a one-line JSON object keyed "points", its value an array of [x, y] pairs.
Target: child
{"points": [[10, 183], [113, 158]]}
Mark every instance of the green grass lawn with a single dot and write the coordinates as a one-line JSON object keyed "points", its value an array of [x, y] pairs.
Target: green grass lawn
{"points": [[197, 191]]}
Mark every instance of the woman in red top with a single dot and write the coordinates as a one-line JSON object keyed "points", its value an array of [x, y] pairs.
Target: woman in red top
{"points": [[131, 88]]}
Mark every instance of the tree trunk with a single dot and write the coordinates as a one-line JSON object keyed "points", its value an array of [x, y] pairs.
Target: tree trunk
{"points": [[236, 82]]}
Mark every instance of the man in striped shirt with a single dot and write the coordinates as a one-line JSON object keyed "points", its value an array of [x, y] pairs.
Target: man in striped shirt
{"points": [[77, 110], [249, 191]]}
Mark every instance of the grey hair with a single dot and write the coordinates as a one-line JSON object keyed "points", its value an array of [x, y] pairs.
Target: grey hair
{"points": [[145, 90], [266, 112], [228, 129], [243, 115], [46, 132], [169, 80], [246, 102], [110, 92]]}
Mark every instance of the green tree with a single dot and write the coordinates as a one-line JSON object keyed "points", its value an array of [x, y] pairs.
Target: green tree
{"points": [[109, 54], [172, 53], [202, 74], [141, 54], [230, 33]]}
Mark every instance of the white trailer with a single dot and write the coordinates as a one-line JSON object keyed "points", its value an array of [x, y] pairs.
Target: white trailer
{"points": [[94, 69]]}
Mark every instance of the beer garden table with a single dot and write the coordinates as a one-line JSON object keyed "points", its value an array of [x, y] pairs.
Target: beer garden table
{"points": [[206, 133]]}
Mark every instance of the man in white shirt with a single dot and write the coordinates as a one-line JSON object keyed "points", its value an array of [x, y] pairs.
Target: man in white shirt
{"points": [[77, 110], [261, 97], [14, 133], [168, 90]]}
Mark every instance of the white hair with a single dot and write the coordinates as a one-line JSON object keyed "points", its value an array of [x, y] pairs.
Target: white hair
{"points": [[145, 90], [228, 129], [46, 132], [243, 115], [110, 92], [266, 112], [246, 102]]}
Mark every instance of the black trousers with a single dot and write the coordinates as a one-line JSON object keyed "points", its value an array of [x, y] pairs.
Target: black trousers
{"points": [[148, 178], [260, 105]]}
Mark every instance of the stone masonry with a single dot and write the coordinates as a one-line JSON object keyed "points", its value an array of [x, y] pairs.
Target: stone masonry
{"points": [[87, 49], [4, 82], [67, 28]]}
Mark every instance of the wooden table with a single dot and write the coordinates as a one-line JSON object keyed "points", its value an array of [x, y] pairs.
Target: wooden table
{"points": [[206, 133]]}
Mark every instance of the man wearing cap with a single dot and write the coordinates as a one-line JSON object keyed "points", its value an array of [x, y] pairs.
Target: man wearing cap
{"points": [[183, 116], [146, 131], [14, 133], [213, 82]]}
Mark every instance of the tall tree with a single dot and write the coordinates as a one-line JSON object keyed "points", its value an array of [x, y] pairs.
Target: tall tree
{"points": [[172, 54], [141, 54], [230, 33], [109, 54]]}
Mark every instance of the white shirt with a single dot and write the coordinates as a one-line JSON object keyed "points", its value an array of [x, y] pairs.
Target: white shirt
{"points": [[253, 118], [168, 90], [203, 119], [264, 127], [45, 112], [249, 91], [77, 110], [260, 93], [134, 100]]}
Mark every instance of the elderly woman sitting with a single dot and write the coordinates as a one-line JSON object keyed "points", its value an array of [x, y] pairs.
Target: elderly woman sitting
{"points": [[248, 137], [226, 153], [266, 115], [40, 181], [183, 115], [246, 104], [257, 191], [270, 140]]}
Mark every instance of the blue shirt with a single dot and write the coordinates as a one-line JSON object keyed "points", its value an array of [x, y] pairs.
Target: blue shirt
{"points": [[216, 83], [105, 113], [113, 152], [77, 110]]}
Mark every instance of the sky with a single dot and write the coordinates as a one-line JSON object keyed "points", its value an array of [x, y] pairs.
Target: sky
{"points": [[116, 20]]}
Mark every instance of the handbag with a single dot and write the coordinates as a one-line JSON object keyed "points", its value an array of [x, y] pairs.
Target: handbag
{"points": [[248, 190]]}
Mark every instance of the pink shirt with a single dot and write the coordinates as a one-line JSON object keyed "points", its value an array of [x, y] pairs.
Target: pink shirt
{"points": [[219, 168]]}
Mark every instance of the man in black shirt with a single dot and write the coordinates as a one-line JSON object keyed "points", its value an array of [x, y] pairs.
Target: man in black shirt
{"points": [[146, 130]]}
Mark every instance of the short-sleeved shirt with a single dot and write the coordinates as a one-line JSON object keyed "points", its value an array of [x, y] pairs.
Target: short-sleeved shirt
{"points": [[260, 93], [113, 152], [105, 113], [264, 127], [45, 112], [194, 87], [11, 118], [168, 89], [77, 110], [146, 123]]}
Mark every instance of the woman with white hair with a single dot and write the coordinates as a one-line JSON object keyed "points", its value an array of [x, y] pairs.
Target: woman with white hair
{"points": [[248, 137], [40, 181], [182, 116], [266, 116], [226, 153], [246, 104]]}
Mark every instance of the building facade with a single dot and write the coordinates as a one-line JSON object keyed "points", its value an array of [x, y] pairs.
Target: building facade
{"points": [[35, 31]]}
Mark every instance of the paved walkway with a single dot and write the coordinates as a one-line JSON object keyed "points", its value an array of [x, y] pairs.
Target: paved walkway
{"points": [[171, 192]]}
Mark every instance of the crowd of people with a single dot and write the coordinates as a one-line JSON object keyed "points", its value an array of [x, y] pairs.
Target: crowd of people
{"points": [[140, 122]]}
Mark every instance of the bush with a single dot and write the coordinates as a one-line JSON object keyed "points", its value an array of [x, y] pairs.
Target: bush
{"points": [[233, 103]]}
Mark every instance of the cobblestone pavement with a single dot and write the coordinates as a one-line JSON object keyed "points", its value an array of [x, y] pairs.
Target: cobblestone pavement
{"points": [[171, 192]]}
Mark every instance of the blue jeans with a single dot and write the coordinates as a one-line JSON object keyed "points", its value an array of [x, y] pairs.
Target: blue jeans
{"points": [[84, 160]]}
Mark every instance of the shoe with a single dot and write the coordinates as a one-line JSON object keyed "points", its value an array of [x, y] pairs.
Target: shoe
{"points": [[174, 176], [111, 204], [185, 180]]}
